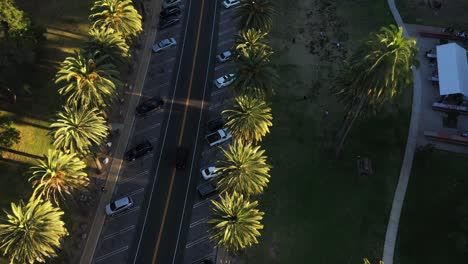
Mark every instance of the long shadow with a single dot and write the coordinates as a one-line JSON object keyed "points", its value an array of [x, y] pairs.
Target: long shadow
{"points": [[68, 31], [19, 163], [20, 121], [20, 153]]}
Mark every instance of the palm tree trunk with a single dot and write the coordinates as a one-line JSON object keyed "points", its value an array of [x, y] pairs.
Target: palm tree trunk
{"points": [[98, 163], [348, 124]]}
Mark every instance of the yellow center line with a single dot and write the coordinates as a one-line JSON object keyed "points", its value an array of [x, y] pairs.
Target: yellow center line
{"points": [[187, 101]]}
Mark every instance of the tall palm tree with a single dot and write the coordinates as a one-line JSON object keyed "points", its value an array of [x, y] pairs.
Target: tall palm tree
{"points": [[256, 14], [248, 119], [235, 223], [366, 261], [251, 38], [30, 232], [244, 169], [107, 42], [119, 15], [77, 130], [378, 71], [88, 80], [58, 174], [254, 73]]}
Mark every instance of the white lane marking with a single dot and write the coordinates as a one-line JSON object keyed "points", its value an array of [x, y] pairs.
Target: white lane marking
{"points": [[198, 133], [136, 192], [131, 210], [205, 201], [138, 175], [201, 221], [221, 43], [143, 130], [120, 232], [165, 134], [112, 253], [198, 241]]}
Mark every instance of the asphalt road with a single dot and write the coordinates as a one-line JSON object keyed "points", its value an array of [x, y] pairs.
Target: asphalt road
{"points": [[164, 217]]}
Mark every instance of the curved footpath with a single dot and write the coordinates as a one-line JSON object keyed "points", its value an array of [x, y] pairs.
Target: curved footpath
{"points": [[399, 197]]}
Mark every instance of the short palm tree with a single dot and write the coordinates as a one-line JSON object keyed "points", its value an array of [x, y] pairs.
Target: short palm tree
{"points": [[251, 38], [88, 80], [119, 15], [248, 119], [107, 42], [256, 14], [30, 232], [77, 130], [254, 73], [235, 223], [58, 174], [244, 169], [378, 71]]}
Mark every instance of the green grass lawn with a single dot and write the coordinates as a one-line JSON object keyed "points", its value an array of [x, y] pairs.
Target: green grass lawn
{"points": [[434, 220], [452, 13], [318, 210]]}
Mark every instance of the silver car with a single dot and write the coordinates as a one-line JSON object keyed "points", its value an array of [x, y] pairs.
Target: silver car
{"points": [[229, 3], [164, 44], [225, 56], [169, 3], [209, 172], [225, 80], [119, 205]]}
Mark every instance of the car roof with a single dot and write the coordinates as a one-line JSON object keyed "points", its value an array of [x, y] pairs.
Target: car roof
{"points": [[122, 201]]}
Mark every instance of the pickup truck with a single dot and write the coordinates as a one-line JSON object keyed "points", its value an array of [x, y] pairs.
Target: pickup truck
{"points": [[218, 137]]}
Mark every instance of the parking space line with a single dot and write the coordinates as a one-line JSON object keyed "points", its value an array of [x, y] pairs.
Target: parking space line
{"points": [[224, 32], [218, 91], [201, 221], [153, 139], [124, 180], [198, 241], [207, 200], [131, 210], [146, 129], [136, 192], [120, 232], [221, 66], [160, 62], [110, 254], [221, 43]]}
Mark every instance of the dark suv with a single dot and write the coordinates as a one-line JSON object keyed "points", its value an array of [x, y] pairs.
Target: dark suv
{"points": [[170, 11], [139, 151], [150, 105], [181, 157]]}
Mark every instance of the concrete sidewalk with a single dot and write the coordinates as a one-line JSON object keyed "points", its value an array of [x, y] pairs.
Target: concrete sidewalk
{"points": [[113, 172]]}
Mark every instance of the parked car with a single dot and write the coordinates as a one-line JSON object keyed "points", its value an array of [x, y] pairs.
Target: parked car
{"points": [[170, 11], [230, 3], [164, 44], [225, 56], [206, 189], [118, 206], [209, 172], [168, 3], [218, 137], [181, 158], [150, 105], [215, 124], [225, 80], [165, 23], [138, 151]]}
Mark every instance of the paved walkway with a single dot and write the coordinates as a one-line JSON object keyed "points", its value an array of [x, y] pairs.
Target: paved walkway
{"points": [[116, 163], [411, 142]]}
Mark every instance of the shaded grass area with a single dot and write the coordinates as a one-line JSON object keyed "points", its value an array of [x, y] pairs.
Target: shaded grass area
{"points": [[433, 226], [318, 210], [452, 13]]}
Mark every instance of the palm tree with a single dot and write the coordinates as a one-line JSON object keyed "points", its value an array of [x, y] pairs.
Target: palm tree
{"points": [[254, 73], [77, 130], [31, 232], [107, 42], [88, 80], [119, 15], [244, 169], [256, 14], [249, 118], [251, 38], [378, 71], [366, 261], [235, 223], [58, 174]]}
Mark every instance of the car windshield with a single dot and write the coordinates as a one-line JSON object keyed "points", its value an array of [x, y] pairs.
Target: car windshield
{"points": [[113, 207], [207, 171], [164, 43]]}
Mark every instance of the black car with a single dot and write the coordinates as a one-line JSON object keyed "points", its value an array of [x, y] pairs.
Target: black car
{"points": [[170, 11], [139, 151], [215, 124], [181, 157], [206, 189], [149, 105], [165, 23]]}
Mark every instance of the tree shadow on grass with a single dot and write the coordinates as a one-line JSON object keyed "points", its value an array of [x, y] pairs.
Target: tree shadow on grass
{"points": [[20, 153]]}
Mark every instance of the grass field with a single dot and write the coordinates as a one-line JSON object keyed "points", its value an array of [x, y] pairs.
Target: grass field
{"points": [[433, 227], [318, 210], [452, 13]]}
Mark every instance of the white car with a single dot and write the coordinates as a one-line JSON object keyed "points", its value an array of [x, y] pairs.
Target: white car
{"points": [[218, 137], [164, 44], [225, 80], [118, 206], [209, 172], [169, 3], [229, 3], [225, 56]]}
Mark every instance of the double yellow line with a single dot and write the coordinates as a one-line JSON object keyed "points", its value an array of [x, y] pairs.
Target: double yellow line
{"points": [[184, 119]]}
